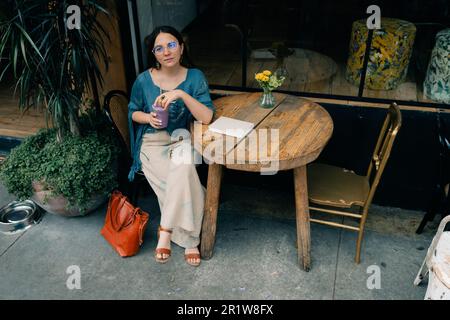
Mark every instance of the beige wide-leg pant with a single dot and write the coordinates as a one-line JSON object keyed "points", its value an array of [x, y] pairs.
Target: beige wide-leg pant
{"points": [[175, 181]]}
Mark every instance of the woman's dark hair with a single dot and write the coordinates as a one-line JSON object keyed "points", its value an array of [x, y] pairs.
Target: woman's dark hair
{"points": [[185, 60]]}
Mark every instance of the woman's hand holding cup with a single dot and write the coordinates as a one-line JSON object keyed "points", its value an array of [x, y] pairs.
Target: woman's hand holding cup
{"points": [[154, 121]]}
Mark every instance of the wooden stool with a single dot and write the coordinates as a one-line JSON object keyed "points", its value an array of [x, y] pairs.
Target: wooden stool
{"points": [[389, 54], [437, 81]]}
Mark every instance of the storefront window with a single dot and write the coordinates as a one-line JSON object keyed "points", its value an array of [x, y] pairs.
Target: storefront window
{"points": [[402, 50], [320, 47], [215, 43]]}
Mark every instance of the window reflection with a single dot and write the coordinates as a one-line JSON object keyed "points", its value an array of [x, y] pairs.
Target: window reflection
{"points": [[312, 42]]}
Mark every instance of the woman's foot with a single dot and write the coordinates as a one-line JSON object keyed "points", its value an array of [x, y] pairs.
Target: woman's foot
{"points": [[192, 256], [162, 252]]}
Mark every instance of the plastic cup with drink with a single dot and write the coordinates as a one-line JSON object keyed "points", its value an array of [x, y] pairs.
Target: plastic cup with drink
{"points": [[162, 114]]}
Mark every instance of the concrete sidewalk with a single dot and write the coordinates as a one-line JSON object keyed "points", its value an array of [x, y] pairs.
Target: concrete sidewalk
{"points": [[254, 257]]}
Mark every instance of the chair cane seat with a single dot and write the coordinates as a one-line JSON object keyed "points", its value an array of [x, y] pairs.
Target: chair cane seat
{"points": [[334, 186]]}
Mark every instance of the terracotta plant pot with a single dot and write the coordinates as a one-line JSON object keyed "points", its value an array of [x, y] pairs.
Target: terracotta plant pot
{"points": [[58, 204]]}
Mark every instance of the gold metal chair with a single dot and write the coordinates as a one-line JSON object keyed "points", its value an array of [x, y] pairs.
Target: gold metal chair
{"points": [[330, 186]]}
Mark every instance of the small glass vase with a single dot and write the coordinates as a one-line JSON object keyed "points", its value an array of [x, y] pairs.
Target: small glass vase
{"points": [[281, 69], [267, 99]]}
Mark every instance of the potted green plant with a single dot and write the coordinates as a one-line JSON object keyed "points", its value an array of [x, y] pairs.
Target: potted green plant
{"points": [[71, 164]]}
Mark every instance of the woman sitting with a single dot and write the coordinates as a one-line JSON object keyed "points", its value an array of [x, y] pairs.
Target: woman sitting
{"points": [[183, 92]]}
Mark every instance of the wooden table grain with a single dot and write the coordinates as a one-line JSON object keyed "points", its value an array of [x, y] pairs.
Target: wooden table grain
{"points": [[288, 136]]}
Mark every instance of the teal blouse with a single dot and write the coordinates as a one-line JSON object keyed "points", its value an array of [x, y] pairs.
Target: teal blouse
{"points": [[144, 93]]}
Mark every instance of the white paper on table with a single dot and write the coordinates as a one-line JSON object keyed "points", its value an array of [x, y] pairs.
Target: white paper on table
{"points": [[231, 127]]}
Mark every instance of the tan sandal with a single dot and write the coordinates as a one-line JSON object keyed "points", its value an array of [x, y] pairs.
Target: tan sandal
{"points": [[192, 256], [159, 252]]}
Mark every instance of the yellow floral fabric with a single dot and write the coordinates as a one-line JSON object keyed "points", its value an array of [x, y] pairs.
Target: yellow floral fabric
{"points": [[389, 55]]}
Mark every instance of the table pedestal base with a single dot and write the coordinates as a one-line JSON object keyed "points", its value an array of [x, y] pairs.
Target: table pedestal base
{"points": [[215, 172], [302, 217]]}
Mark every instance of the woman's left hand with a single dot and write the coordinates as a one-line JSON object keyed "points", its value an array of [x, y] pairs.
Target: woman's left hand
{"points": [[165, 99]]}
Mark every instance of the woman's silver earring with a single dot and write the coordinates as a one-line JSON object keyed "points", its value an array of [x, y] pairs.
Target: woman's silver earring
{"points": [[157, 65]]}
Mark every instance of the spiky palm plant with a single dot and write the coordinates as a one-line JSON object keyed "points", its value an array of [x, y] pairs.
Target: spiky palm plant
{"points": [[52, 64]]}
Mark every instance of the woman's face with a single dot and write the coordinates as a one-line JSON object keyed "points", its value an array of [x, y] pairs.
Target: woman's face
{"points": [[167, 50]]}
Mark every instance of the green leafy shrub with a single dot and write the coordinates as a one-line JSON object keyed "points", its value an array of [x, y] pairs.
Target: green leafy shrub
{"points": [[77, 168]]}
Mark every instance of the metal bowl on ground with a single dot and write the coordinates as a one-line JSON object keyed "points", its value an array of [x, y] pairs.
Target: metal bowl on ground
{"points": [[18, 216]]}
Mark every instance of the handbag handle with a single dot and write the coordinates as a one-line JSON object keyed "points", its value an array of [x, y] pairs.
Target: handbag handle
{"points": [[114, 223], [130, 219], [114, 216]]}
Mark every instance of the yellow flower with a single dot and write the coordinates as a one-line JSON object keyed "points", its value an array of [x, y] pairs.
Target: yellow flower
{"points": [[265, 78], [267, 72], [259, 76]]}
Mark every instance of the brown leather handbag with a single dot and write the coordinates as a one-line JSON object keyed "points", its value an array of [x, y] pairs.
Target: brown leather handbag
{"points": [[124, 225]]}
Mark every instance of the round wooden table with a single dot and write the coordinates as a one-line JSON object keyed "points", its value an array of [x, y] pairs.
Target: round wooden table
{"points": [[287, 136]]}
